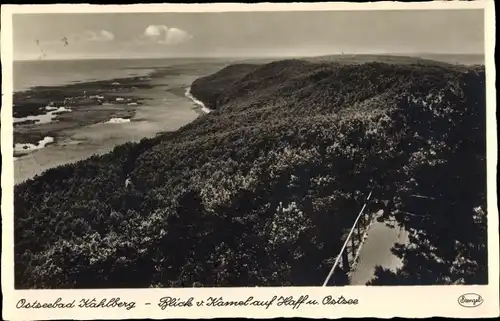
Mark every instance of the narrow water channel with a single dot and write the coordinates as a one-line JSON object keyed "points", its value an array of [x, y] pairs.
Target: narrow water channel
{"points": [[376, 251]]}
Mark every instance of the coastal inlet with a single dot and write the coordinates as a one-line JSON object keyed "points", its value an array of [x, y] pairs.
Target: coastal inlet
{"points": [[64, 124]]}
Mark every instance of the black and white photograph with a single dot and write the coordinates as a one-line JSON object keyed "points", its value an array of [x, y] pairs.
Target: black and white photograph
{"points": [[240, 149]]}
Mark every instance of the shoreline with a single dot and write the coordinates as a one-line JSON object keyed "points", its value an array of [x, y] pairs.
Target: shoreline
{"points": [[31, 74], [133, 113], [27, 102], [197, 101], [47, 111]]}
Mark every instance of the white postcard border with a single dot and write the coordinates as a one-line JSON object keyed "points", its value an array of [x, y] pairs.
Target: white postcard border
{"points": [[384, 302]]}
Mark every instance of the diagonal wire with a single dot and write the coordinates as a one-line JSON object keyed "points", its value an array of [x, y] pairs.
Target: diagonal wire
{"points": [[346, 241]]}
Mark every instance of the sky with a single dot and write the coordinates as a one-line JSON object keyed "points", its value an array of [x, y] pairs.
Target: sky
{"points": [[247, 34]]}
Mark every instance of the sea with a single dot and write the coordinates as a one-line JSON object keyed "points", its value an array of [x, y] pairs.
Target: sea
{"points": [[28, 74], [164, 109]]}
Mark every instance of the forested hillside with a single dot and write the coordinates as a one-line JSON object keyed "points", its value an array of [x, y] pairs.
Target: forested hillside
{"points": [[258, 191]]}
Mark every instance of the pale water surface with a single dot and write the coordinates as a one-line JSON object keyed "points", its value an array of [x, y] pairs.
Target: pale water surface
{"points": [[376, 251], [165, 108]]}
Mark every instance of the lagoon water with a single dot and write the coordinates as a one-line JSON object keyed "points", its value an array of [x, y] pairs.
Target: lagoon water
{"points": [[165, 106], [29, 74]]}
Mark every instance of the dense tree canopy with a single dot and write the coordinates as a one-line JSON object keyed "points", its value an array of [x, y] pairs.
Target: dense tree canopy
{"points": [[259, 191]]}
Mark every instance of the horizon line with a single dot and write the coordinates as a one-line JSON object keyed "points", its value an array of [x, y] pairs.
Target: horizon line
{"points": [[254, 57]]}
